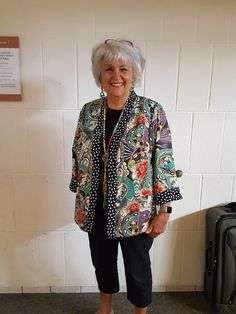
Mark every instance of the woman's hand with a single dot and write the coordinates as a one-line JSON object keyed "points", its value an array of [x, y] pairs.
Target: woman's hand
{"points": [[158, 224]]}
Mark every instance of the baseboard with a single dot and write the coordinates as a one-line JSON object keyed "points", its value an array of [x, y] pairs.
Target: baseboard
{"points": [[93, 289]]}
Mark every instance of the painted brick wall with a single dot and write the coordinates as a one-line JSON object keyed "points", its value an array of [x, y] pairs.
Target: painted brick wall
{"points": [[190, 47]]}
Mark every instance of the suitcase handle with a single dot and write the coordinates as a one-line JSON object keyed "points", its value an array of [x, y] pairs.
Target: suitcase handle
{"points": [[231, 207], [209, 258]]}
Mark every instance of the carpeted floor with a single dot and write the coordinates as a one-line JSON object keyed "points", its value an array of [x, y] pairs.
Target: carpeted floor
{"points": [[86, 303]]}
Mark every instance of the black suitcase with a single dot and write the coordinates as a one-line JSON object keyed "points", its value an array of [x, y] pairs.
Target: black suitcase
{"points": [[220, 262]]}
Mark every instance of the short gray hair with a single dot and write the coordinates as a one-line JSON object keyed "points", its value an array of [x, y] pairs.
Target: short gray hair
{"points": [[118, 49]]}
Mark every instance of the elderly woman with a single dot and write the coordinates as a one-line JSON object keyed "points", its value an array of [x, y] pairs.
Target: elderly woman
{"points": [[123, 174]]}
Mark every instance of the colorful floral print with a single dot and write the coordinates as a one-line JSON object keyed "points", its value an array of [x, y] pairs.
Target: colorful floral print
{"points": [[141, 174]]}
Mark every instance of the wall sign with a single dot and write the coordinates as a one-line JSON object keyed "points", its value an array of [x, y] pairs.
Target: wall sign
{"points": [[10, 83]]}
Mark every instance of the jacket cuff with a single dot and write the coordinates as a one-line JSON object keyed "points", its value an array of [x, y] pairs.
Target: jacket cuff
{"points": [[73, 186], [169, 195]]}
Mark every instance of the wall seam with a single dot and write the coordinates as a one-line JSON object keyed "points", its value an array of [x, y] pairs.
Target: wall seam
{"points": [[190, 143], [144, 74], [177, 77], [232, 188], [210, 80], [63, 233], [77, 75], [42, 72], [63, 141], [222, 142], [200, 191]]}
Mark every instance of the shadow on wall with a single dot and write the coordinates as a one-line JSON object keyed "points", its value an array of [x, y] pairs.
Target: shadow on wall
{"points": [[183, 250]]}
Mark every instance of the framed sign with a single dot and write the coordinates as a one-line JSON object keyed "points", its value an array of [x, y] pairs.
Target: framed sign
{"points": [[10, 82]]}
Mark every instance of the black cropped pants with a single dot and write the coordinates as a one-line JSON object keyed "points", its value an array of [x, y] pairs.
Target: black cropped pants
{"points": [[135, 251]]}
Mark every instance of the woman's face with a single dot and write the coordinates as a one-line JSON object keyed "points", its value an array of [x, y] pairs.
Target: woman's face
{"points": [[116, 78]]}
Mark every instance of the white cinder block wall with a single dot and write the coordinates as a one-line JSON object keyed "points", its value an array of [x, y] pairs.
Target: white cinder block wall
{"points": [[190, 47]]}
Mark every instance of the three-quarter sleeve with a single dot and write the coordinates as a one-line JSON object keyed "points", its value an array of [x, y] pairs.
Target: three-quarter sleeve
{"points": [[75, 150], [164, 176]]}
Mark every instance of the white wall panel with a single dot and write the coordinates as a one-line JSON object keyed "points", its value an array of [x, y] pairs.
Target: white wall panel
{"points": [[49, 247], [7, 204], [31, 194], [43, 202], [161, 73], [223, 91], [14, 141], [193, 258], [216, 190], [181, 126], [7, 26], [232, 35], [194, 76], [31, 73], [121, 268], [213, 20], [79, 270], [206, 142], [78, 19], [46, 141], [141, 88], [43, 18], [87, 89], [168, 257], [145, 22], [185, 211], [180, 20], [70, 119], [108, 19], [229, 141], [16, 259], [60, 203], [59, 73]]}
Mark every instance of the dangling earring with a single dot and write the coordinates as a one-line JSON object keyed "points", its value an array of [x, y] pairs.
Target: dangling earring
{"points": [[102, 95]]}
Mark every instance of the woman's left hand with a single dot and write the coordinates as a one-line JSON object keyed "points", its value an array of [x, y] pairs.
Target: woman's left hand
{"points": [[158, 224]]}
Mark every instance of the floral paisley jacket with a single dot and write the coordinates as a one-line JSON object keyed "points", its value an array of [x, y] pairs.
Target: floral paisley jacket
{"points": [[141, 170]]}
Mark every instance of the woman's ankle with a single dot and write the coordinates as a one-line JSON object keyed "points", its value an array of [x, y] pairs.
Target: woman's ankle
{"points": [[105, 306], [140, 310]]}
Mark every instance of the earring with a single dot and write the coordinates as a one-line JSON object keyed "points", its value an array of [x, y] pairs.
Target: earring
{"points": [[102, 95]]}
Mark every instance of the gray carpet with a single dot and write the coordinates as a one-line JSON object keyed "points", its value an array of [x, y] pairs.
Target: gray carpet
{"points": [[86, 303]]}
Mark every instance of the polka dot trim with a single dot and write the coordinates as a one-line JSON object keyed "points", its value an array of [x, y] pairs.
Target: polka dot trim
{"points": [[73, 186], [111, 167], [95, 172], [168, 196]]}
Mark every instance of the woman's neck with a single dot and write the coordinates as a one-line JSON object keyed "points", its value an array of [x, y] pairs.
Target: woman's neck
{"points": [[116, 103]]}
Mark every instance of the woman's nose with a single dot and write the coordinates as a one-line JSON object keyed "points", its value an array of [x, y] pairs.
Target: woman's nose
{"points": [[116, 73]]}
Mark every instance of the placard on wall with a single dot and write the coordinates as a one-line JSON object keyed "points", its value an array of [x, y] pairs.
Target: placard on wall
{"points": [[10, 83]]}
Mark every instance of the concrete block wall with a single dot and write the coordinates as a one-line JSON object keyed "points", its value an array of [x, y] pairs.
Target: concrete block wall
{"points": [[190, 48]]}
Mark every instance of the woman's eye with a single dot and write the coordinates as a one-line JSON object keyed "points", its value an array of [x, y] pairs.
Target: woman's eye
{"points": [[124, 69]]}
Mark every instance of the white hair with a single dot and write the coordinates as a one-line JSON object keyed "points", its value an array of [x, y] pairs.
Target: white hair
{"points": [[118, 49]]}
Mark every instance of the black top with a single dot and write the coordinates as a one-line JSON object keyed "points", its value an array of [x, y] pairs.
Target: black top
{"points": [[100, 222]]}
